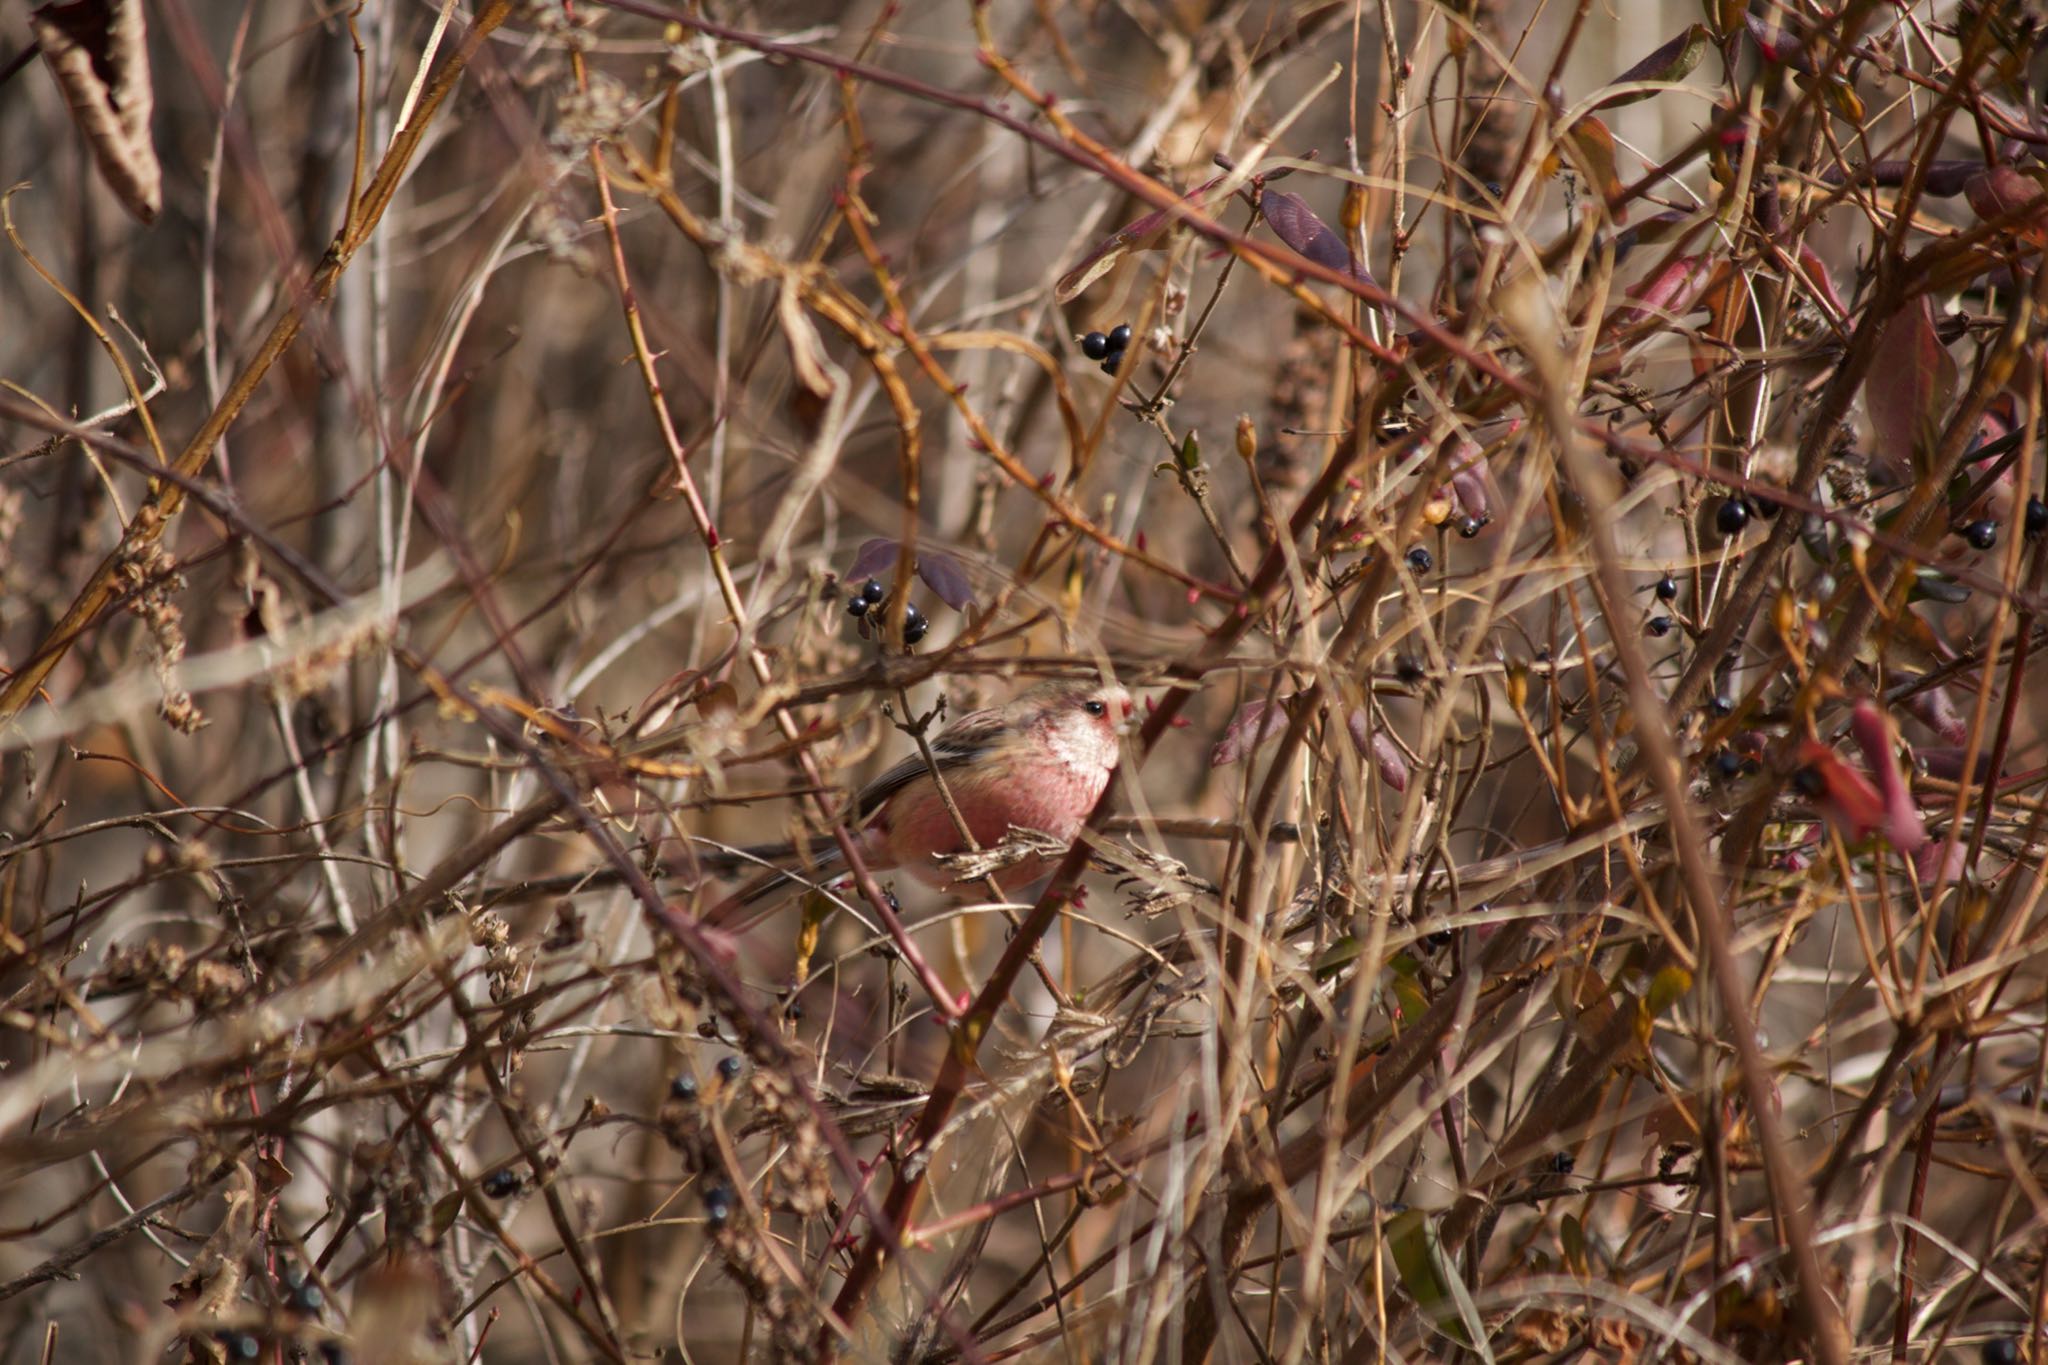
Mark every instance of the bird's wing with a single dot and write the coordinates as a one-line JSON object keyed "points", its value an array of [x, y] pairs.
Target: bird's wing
{"points": [[959, 744]]}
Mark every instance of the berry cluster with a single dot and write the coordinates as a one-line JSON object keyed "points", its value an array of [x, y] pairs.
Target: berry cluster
{"points": [[1983, 534], [718, 1202], [302, 1293], [871, 596], [1108, 347]]}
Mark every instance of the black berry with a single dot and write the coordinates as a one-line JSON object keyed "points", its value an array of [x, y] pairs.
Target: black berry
{"points": [[1441, 938], [500, 1184], [2000, 1351], [1659, 626], [1114, 363], [913, 631], [857, 607], [2037, 517], [718, 1203], [308, 1297], [872, 591], [684, 1088], [1766, 507], [1809, 783], [1120, 336], [1731, 516], [1728, 765], [1982, 535], [1095, 345], [729, 1068], [1667, 588], [1722, 705], [1408, 670], [1562, 1162], [1469, 527], [1420, 560]]}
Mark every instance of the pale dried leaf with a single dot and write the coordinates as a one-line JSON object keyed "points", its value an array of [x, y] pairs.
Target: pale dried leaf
{"points": [[99, 53]]}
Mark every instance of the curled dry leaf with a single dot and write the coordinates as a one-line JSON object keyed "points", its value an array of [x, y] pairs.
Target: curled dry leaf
{"points": [[1910, 384], [1595, 146], [806, 348], [99, 53], [1872, 730], [1672, 62]]}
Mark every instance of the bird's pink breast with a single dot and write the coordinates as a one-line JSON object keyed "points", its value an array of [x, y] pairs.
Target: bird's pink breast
{"points": [[1043, 795]]}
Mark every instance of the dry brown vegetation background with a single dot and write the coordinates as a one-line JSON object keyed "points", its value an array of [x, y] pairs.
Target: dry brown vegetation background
{"points": [[1569, 507]]}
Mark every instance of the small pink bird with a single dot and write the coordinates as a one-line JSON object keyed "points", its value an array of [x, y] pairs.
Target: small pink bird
{"points": [[1040, 762]]}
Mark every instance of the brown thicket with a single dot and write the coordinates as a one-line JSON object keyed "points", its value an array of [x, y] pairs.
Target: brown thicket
{"points": [[1570, 504]]}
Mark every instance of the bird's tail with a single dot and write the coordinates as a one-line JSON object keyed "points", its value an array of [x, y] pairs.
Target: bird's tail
{"points": [[778, 867]]}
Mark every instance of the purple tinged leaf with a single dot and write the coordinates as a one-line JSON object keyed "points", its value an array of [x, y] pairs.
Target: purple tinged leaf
{"points": [[1823, 282], [2018, 125], [1672, 62], [2002, 194], [940, 571], [874, 557], [1296, 224], [1141, 234], [1256, 724], [1379, 746], [1944, 179], [1935, 708], [943, 575], [1943, 861], [1947, 764], [1468, 480], [1778, 46], [1673, 291], [1910, 384], [1769, 209]]}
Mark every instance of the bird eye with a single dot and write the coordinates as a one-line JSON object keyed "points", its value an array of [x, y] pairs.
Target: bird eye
{"points": [[1093, 707]]}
